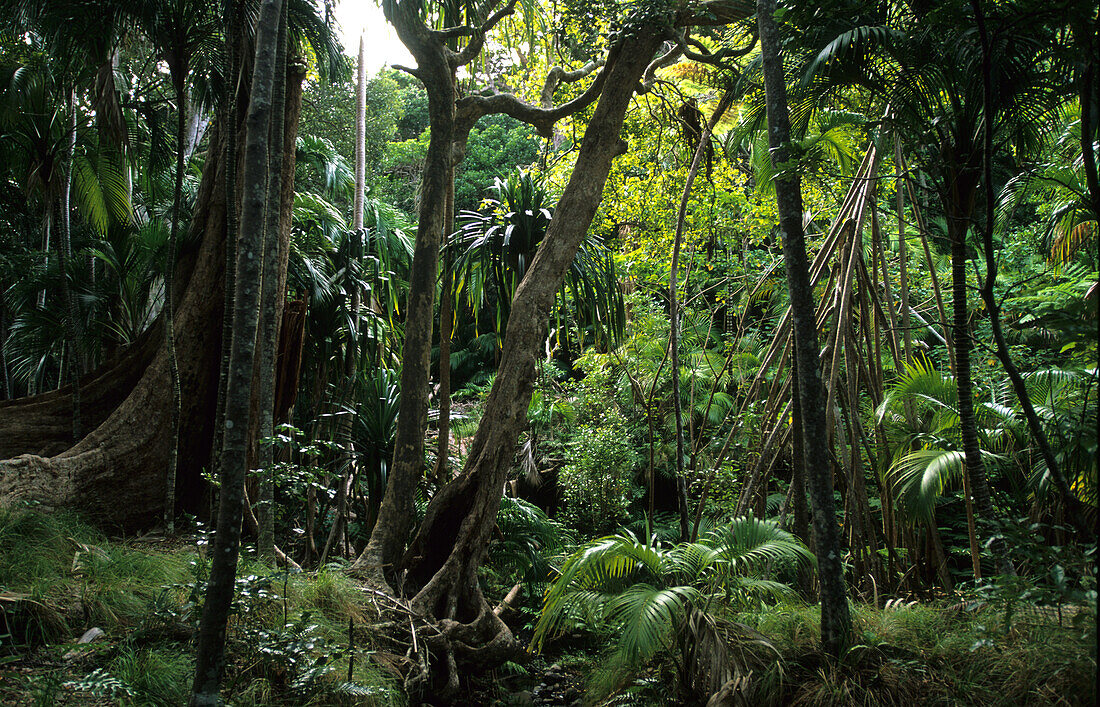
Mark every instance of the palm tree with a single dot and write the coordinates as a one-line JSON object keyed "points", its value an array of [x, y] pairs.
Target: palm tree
{"points": [[493, 249], [922, 418], [924, 68], [654, 600]]}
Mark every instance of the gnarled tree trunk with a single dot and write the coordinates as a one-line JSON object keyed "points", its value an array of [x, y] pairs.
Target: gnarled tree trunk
{"points": [[443, 560]]}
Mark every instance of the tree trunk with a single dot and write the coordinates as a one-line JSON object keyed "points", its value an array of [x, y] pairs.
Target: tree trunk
{"points": [[993, 308], [961, 191], [444, 557], [836, 623], [271, 301], [72, 318], [169, 308], [210, 655], [115, 473], [396, 513], [441, 473]]}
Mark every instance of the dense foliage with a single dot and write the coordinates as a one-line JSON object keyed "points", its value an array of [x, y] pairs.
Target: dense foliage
{"points": [[948, 162]]}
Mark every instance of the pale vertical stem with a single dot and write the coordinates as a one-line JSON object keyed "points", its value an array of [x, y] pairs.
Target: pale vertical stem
{"points": [[903, 255], [170, 307], [360, 138]]}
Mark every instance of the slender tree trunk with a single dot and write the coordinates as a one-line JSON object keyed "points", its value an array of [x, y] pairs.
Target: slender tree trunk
{"points": [[210, 652], [271, 299], [836, 623], [360, 139], [231, 116], [387, 543], [170, 309], [72, 317], [798, 466], [446, 327], [1035, 426]]}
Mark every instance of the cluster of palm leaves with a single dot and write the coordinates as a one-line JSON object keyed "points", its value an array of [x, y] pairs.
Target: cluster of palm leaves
{"points": [[655, 600], [921, 417]]}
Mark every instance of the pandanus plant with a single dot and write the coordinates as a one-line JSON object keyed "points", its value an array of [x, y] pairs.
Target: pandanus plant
{"points": [[493, 249]]}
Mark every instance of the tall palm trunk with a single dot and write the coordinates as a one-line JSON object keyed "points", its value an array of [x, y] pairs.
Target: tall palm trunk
{"points": [[446, 330], [210, 653], [231, 116], [961, 192], [180, 83], [271, 296], [836, 624]]}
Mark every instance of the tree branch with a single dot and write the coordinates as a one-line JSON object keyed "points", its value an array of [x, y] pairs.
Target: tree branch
{"points": [[715, 13], [477, 36], [649, 78], [469, 109], [558, 76]]}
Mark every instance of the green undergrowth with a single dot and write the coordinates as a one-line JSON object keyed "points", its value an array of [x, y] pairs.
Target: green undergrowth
{"points": [[291, 638], [946, 653], [908, 653]]}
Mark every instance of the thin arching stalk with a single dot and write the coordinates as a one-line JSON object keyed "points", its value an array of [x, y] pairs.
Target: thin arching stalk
{"points": [[674, 308]]}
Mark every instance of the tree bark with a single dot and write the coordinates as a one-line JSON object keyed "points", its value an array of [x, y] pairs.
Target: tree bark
{"points": [[271, 300], [444, 557], [115, 473], [180, 86], [210, 655], [836, 624]]}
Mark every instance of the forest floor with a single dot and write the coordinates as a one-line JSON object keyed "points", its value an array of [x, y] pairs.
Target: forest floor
{"points": [[89, 620]]}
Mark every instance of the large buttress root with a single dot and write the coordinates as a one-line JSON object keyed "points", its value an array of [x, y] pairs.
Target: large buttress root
{"points": [[115, 474]]}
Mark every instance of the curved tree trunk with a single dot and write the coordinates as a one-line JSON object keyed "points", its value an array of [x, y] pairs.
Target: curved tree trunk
{"points": [[42, 424], [115, 474], [395, 515], [443, 560]]}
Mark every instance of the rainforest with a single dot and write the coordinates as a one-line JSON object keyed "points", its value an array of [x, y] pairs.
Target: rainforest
{"points": [[517, 352]]}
